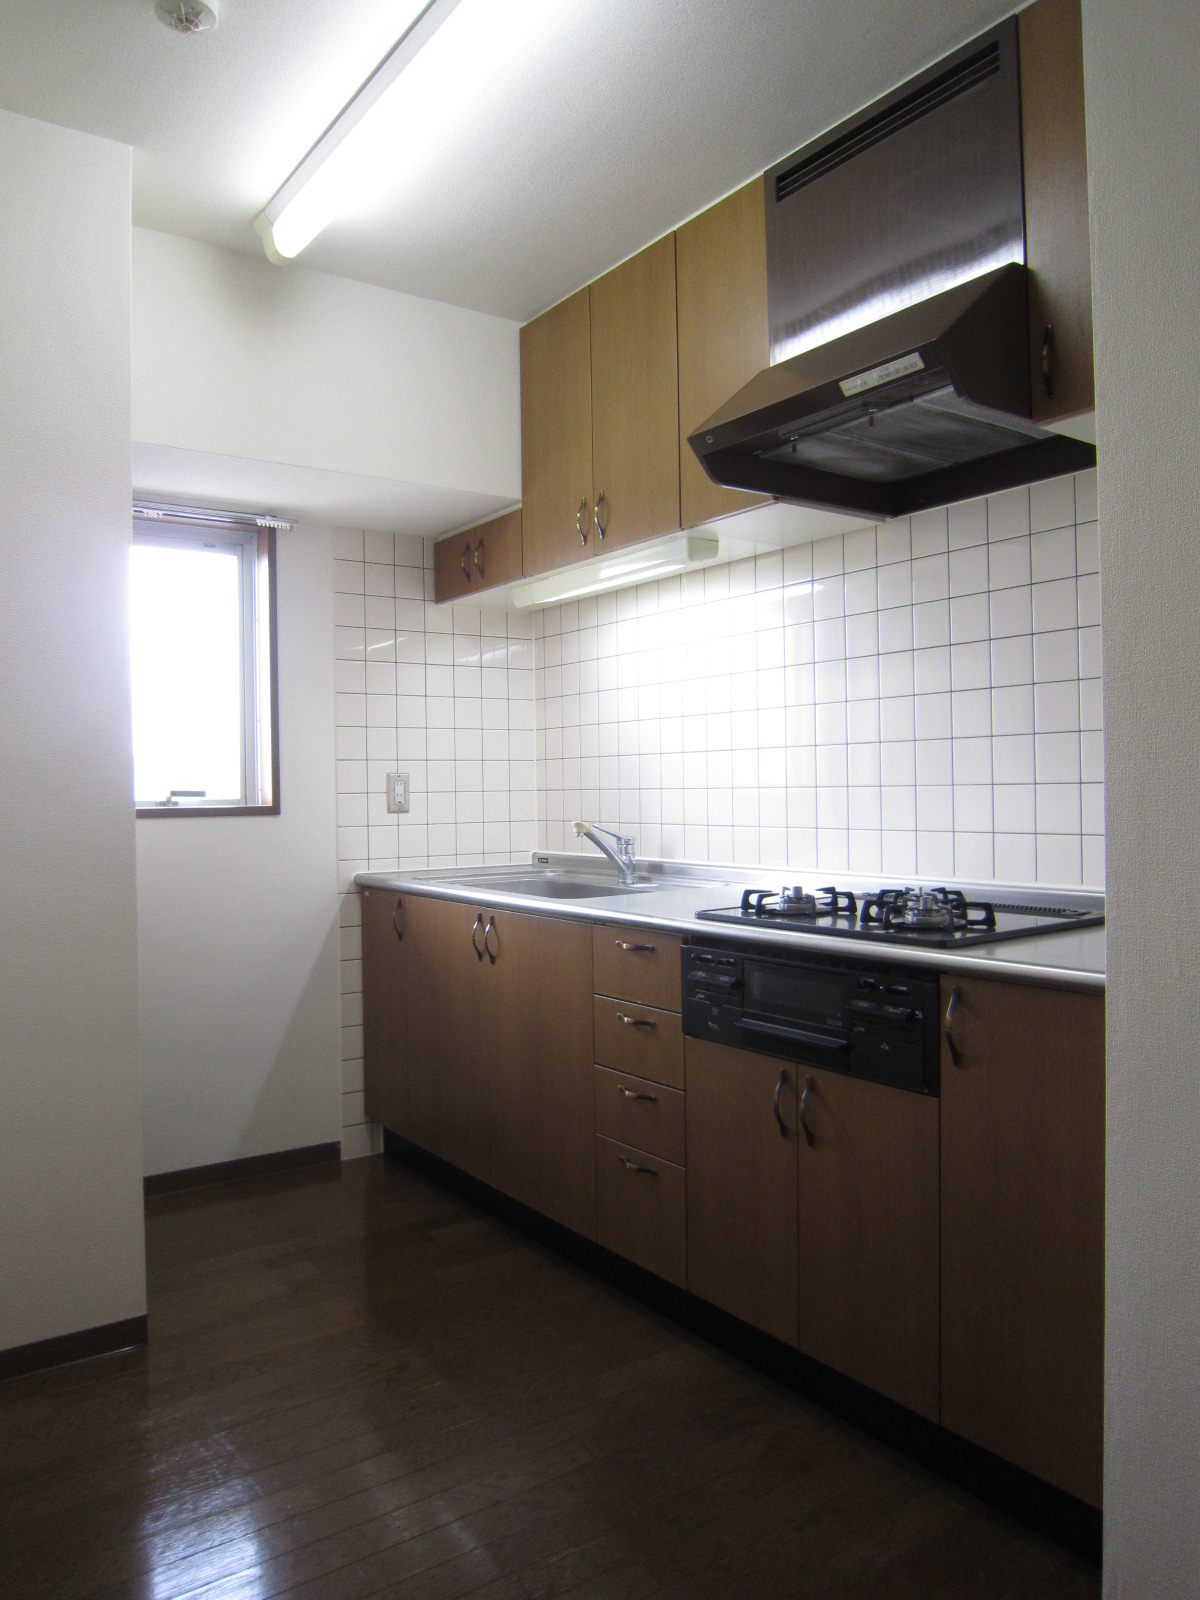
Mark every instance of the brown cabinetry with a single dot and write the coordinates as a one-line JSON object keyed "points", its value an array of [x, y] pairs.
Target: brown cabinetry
{"points": [[1022, 1161], [385, 1033], [499, 1051], [640, 1205], [478, 558], [599, 415], [639, 964], [741, 1184], [1054, 147], [721, 292], [869, 1235]]}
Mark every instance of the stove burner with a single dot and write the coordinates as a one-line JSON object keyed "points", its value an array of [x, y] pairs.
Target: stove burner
{"points": [[792, 901], [921, 910]]}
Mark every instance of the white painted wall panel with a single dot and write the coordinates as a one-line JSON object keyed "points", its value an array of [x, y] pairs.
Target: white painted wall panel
{"points": [[71, 1237], [1142, 64], [237, 924]]}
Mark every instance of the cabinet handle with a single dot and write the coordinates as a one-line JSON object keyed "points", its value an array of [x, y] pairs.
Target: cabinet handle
{"points": [[808, 1133], [782, 1080], [636, 1022], [601, 526], [466, 563], [475, 927], [479, 558], [634, 1094], [645, 949], [951, 1008], [634, 1166], [487, 933], [581, 521], [1048, 359], [395, 924]]}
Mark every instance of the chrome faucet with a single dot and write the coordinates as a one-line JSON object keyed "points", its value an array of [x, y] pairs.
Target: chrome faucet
{"points": [[620, 854]]}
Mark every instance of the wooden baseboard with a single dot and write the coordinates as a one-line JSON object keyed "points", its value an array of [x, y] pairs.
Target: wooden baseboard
{"points": [[276, 1161], [109, 1337]]}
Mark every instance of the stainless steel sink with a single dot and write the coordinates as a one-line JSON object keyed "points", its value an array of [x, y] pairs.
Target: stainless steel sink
{"points": [[548, 885]]}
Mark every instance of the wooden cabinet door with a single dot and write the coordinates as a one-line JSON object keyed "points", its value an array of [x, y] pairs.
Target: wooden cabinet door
{"points": [[449, 1109], [741, 1185], [385, 1033], [556, 436], [1023, 1228], [1054, 144], [536, 1047], [635, 398], [478, 558], [869, 1236], [721, 291]]}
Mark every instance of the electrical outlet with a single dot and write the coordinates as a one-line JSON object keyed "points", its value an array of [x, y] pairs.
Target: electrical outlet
{"points": [[397, 791]]}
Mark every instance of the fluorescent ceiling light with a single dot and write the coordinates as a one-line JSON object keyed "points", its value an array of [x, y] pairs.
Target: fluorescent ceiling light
{"points": [[451, 51], [681, 552]]}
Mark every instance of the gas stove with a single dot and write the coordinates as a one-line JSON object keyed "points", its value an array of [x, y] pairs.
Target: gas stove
{"points": [[933, 918]]}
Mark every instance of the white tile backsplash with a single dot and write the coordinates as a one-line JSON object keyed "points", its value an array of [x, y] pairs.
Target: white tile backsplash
{"points": [[905, 699]]}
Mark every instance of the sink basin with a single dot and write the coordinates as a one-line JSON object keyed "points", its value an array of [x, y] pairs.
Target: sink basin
{"points": [[548, 885]]}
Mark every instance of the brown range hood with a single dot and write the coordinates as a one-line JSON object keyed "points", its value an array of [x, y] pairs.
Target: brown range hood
{"points": [[897, 307], [924, 407]]}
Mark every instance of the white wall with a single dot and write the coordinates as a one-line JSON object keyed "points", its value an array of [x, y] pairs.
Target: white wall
{"points": [[235, 358], [71, 1241], [920, 699], [237, 924], [1142, 65]]}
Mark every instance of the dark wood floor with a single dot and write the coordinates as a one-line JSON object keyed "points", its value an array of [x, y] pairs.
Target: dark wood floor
{"points": [[358, 1386]]}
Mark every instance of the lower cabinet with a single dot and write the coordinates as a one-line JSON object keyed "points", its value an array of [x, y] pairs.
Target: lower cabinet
{"points": [[741, 1184], [499, 1051], [869, 1235], [641, 1208], [385, 1026], [1022, 1161]]}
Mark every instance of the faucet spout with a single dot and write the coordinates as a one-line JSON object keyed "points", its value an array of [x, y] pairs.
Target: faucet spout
{"points": [[620, 853]]}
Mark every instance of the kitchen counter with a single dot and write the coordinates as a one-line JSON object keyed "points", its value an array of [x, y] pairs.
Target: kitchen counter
{"points": [[675, 892]]}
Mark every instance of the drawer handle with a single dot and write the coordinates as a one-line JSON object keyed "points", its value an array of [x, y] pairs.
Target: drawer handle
{"points": [[487, 936], [479, 558], [951, 1008], [636, 1022], [635, 1094], [636, 949], [475, 927], [395, 923], [466, 564], [580, 528], [634, 1166]]}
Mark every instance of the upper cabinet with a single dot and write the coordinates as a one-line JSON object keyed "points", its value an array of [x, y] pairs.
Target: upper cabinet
{"points": [[635, 399], [599, 415], [477, 558], [556, 435], [1056, 213], [721, 288]]}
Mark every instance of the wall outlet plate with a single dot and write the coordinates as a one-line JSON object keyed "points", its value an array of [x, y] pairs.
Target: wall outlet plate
{"points": [[397, 791]]}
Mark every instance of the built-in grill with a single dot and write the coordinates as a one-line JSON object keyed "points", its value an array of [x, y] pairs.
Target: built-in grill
{"points": [[935, 917]]}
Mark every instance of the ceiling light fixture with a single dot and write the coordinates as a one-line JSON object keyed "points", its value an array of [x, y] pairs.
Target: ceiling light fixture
{"points": [[186, 16], [315, 192], [455, 59]]}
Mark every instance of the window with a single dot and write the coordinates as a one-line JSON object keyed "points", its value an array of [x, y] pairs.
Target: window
{"points": [[203, 663]]}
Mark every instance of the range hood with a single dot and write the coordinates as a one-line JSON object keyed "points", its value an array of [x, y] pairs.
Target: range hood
{"points": [[898, 309]]}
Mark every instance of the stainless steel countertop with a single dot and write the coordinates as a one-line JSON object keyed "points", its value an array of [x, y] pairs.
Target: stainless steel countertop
{"points": [[677, 891]]}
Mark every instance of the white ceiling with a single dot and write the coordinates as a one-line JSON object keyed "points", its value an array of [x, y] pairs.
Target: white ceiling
{"points": [[627, 117]]}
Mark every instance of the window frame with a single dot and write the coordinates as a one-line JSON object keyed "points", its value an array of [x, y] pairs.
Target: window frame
{"points": [[254, 538]]}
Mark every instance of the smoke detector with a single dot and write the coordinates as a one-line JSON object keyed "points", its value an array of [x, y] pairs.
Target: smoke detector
{"points": [[186, 16]]}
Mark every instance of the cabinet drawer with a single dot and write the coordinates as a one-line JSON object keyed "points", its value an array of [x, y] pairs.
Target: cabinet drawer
{"points": [[642, 1114], [638, 1039], [640, 1209], [637, 964]]}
